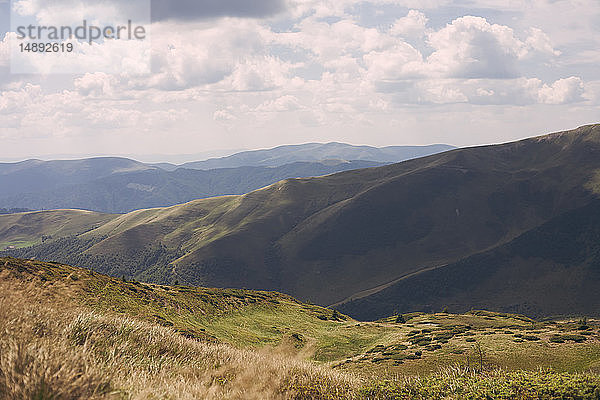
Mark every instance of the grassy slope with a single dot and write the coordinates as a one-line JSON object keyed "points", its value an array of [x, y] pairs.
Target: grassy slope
{"points": [[26, 229], [250, 319], [70, 333], [324, 239]]}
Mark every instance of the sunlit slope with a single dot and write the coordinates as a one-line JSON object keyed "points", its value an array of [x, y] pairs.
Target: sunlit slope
{"points": [[415, 343], [325, 239], [26, 229]]}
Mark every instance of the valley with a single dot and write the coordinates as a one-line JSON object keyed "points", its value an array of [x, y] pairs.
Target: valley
{"points": [[489, 215]]}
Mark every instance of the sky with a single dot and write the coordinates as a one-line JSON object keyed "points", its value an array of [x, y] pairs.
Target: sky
{"points": [[239, 74]]}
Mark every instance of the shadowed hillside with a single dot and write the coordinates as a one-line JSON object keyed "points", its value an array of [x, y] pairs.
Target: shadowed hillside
{"points": [[550, 270]]}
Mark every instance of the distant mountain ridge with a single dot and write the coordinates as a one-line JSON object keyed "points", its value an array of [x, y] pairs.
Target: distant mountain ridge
{"points": [[317, 152], [35, 175], [114, 184], [154, 187], [327, 239]]}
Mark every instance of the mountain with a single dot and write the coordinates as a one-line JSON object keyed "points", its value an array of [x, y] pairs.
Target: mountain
{"points": [[365, 233], [316, 152], [36, 176], [118, 185], [153, 187]]}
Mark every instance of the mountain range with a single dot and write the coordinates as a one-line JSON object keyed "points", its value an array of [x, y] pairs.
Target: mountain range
{"points": [[118, 185], [510, 227], [314, 152]]}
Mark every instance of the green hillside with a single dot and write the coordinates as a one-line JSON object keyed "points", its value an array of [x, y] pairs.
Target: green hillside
{"points": [[330, 238], [30, 228]]}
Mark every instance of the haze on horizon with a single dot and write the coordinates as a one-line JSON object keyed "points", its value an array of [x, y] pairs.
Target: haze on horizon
{"points": [[249, 75]]}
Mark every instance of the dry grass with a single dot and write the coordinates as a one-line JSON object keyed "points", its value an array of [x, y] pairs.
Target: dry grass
{"points": [[52, 347], [53, 350]]}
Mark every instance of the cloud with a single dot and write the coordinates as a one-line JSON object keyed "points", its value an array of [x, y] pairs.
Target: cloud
{"points": [[467, 48], [5, 50], [413, 25], [187, 10], [330, 41], [563, 91], [15, 101], [258, 74], [592, 92], [224, 115], [540, 42], [281, 104], [96, 85], [213, 55], [471, 47], [398, 62], [69, 12], [125, 57], [499, 92]]}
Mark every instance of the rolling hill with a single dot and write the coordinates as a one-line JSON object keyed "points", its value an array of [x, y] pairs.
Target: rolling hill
{"points": [[379, 233]]}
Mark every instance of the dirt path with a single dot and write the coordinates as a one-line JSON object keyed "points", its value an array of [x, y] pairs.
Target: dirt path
{"points": [[369, 292]]}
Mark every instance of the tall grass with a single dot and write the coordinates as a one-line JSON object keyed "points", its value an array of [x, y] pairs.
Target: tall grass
{"points": [[51, 349]]}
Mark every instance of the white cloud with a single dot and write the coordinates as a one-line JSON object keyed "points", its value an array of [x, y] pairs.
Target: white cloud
{"points": [[111, 56], [562, 91], [592, 92], [328, 42], [413, 25], [224, 115], [540, 42], [261, 73], [204, 54], [15, 101], [5, 50], [281, 104], [398, 62], [471, 47]]}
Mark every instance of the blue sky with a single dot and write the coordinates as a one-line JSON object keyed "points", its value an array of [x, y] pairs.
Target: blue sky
{"points": [[234, 74]]}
